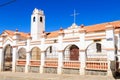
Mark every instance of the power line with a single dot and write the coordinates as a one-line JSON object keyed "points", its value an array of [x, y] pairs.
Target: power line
{"points": [[7, 3]]}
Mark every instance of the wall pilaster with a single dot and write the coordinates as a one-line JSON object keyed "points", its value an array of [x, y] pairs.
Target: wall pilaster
{"points": [[42, 52], [110, 48], [1, 59], [28, 54], [27, 61], [82, 56], [14, 51], [42, 61]]}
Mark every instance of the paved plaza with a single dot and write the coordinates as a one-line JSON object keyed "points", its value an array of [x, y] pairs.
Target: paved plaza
{"points": [[37, 76]]}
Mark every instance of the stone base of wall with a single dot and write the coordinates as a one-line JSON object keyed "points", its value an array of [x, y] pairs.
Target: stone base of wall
{"points": [[50, 70], [34, 69], [20, 68], [96, 72], [70, 71]]}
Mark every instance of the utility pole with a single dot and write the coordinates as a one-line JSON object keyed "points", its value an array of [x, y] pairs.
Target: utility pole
{"points": [[7, 3]]}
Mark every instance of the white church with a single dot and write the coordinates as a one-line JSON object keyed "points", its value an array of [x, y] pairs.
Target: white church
{"points": [[79, 49]]}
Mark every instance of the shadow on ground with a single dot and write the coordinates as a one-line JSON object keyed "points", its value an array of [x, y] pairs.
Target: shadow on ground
{"points": [[117, 75]]}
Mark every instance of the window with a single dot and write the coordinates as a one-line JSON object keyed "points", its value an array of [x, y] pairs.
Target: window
{"points": [[98, 47], [41, 20], [35, 54], [50, 49], [97, 40], [22, 54], [33, 19]]}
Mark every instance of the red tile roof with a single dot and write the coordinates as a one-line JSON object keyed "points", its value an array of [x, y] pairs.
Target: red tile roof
{"points": [[23, 35], [101, 27], [54, 34]]}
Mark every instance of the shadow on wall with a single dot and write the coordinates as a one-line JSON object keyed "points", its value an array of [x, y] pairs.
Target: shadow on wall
{"points": [[116, 74]]}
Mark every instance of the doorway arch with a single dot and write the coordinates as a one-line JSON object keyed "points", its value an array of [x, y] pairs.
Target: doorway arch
{"points": [[7, 59], [71, 52]]}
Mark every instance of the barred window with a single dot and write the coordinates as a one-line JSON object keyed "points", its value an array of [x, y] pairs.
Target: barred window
{"points": [[51, 52], [22, 53], [71, 53], [35, 54]]}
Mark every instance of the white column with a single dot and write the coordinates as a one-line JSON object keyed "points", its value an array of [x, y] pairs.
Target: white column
{"points": [[14, 58], [3, 36], [14, 51], [42, 52], [60, 62], [110, 48], [28, 54], [42, 61], [60, 51], [27, 62], [82, 56], [1, 59]]}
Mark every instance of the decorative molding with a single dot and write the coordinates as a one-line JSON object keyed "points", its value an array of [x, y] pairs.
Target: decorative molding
{"points": [[28, 52], [35, 42], [43, 51], [51, 41], [96, 38], [6, 39], [21, 43], [82, 50], [60, 51], [93, 37], [101, 35], [73, 39], [109, 27], [1, 47], [14, 46], [82, 30], [109, 49]]}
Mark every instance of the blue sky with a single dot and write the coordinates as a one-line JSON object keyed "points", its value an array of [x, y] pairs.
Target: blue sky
{"points": [[57, 12]]}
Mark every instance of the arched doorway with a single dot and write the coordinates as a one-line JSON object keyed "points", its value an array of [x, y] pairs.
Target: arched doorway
{"points": [[96, 50], [35, 54], [21, 60], [71, 62], [7, 65], [51, 52], [22, 54], [35, 60], [74, 52], [71, 53], [96, 58]]}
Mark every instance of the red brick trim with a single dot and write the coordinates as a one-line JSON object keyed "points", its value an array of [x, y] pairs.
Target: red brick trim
{"points": [[1, 47], [60, 50], [110, 49], [14, 46], [82, 50]]}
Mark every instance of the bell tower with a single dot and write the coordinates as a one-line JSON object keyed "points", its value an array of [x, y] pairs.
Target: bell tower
{"points": [[37, 24]]}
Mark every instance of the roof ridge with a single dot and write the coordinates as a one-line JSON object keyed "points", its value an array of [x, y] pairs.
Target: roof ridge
{"points": [[102, 23]]}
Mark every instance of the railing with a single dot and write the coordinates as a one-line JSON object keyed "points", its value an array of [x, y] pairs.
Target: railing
{"points": [[35, 63], [21, 62], [96, 59], [71, 64], [97, 65], [51, 62]]}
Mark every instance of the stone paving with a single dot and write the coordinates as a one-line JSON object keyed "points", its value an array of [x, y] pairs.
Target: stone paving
{"points": [[38, 76]]}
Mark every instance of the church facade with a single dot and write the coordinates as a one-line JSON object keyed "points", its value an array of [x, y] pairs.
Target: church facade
{"points": [[80, 49]]}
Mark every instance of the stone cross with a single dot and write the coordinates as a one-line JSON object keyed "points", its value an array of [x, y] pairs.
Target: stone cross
{"points": [[74, 15]]}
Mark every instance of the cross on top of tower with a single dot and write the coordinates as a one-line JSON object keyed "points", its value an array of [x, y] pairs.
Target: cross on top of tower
{"points": [[74, 15]]}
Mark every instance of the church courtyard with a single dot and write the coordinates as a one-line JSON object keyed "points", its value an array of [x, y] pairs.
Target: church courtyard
{"points": [[37, 76]]}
